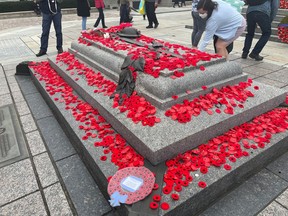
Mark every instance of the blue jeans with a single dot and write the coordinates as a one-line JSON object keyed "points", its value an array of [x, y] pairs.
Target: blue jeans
{"points": [[84, 20], [46, 24], [264, 22], [199, 25]]}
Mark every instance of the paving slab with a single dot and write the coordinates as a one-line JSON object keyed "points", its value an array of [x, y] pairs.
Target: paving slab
{"points": [[256, 70], [82, 189], [56, 201], [270, 82], [28, 205], [55, 138], [38, 106], [17, 180], [250, 197], [283, 199], [279, 167], [280, 76], [28, 123], [274, 209], [26, 85], [22, 108], [5, 99], [45, 170], [35, 143]]}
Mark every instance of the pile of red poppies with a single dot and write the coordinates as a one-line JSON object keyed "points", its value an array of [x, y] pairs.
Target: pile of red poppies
{"points": [[228, 96], [155, 60], [92, 124], [283, 32], [138, 108], [283, 4]]}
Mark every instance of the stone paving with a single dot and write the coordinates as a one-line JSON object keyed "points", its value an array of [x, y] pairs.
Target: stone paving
{"points": [[52, 180]]}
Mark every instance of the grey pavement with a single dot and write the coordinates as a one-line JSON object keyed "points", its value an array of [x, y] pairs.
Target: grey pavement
{"points": [[52, 180]]}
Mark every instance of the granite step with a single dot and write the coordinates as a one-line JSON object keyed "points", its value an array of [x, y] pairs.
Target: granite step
{"points": [[169, 138], [193, 199]]}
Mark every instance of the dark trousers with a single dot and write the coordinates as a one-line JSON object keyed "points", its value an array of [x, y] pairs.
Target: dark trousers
{"points": [[263, 21], [176, 2], [124, 13], [47, 19], [100, 17], [150, 12], [198, 28]]}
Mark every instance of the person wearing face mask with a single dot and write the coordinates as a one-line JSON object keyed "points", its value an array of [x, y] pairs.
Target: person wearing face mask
{"points": [[224, 21]]}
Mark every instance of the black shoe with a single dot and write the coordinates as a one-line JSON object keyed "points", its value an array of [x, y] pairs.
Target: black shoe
{"points": [[60, 50], [105, 26], [156, 25], [257, 57], [149, 27], [244, 55], [41, 53], [95, 26]]}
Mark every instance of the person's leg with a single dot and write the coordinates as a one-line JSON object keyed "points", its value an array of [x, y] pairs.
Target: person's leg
{"points": [[264, 23], [221, 48], [84, 21], [122, 13], [251, 25], [46, 24], [99, 17], [57, 21], [149, 11], [103, 18], [200, 28]]}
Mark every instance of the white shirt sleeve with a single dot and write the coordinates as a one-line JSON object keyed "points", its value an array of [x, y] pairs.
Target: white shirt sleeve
{"points": [[211, 27]]}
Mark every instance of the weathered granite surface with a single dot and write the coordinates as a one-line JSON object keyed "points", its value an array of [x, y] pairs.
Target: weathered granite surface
{"points": [[159, 91], [169, 138]]}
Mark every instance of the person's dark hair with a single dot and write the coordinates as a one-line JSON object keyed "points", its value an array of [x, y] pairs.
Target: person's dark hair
{"points": [[207, 5]]}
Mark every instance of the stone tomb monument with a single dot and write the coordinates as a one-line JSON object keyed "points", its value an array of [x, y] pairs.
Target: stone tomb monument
{"points": [[165, 89], [169, 138]]}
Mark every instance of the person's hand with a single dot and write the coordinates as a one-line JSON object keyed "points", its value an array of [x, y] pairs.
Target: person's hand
{"points": [[156, 5]]}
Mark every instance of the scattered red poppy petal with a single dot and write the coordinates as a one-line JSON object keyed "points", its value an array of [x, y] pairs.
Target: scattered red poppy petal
{"points": [[175, 196], [154, 205], [165, 206], [157, 198], [202, 184]]}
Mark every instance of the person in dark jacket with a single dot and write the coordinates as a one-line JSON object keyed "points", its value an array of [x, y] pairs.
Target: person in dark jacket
{"points": [[51, 12], [124, 11], [150, 6], [83, 10], [99, 4], [261, 15]]}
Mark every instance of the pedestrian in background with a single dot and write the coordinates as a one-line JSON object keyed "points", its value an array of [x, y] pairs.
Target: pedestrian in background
{"points": [[124, 11], [198, 25], [99, 4], [183, 3], [176, 2], [150, 6], [261, 15], [224, 21], [83, 10], [51, 12]]}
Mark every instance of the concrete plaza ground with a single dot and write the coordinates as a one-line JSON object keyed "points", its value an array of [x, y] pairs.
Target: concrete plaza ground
{"points": [[52, 180]]}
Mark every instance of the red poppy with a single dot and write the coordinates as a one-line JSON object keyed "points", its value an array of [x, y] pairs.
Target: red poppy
{"points": [[175, 196], [202, 184], [157, 198], [154, 205], [165, 206]]}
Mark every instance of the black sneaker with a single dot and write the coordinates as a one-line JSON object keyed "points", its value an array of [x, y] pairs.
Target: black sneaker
{"points": [[156, 25], [257, 57], [41, 53], [60, 50], [147, 27], [244, 55], [105, 26]]}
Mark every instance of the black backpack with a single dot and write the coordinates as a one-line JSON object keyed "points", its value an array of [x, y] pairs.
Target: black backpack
{"points": [[254, 2]]}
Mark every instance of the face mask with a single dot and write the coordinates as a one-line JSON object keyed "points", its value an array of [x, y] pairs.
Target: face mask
{"points": [[203, 16]]}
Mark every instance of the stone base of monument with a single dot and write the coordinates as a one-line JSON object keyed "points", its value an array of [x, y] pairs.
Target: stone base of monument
{"points": [[192, 198], [180, 154], [170, 138]]}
